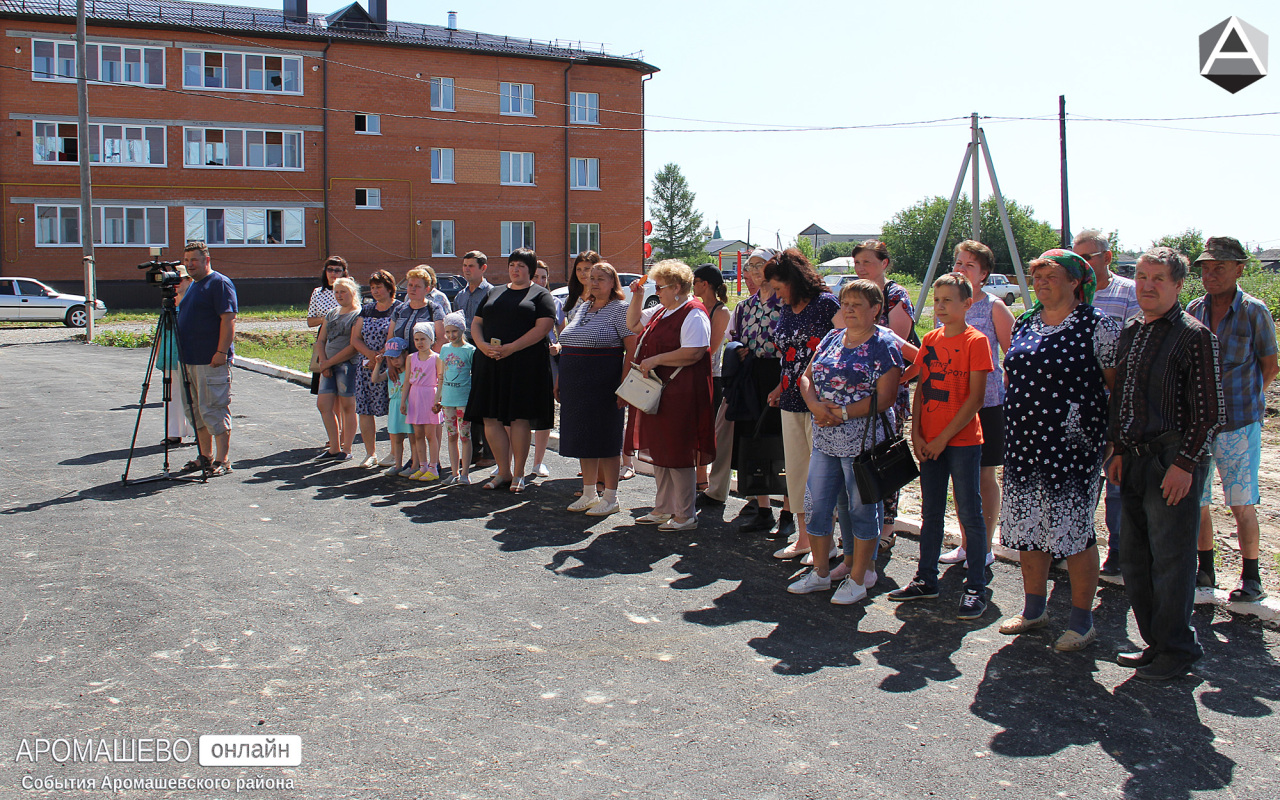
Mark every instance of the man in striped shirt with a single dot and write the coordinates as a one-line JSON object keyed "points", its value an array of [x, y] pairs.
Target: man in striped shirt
{"points": [[1166, 406]]}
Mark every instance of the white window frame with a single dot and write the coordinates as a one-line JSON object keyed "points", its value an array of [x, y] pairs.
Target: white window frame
{"points": [[142, 214], [372, 124], [247, 143], [584, 174], [442, 165], [515, 99], [143, 134], [583, 232], [244, 59], [442, 90], [584, 108], [525, 233], [511, 165], [372, 198], [93, 64], [59, 129], [196, 218], [443, 242]]}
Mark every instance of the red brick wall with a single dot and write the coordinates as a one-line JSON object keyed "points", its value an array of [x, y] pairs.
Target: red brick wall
{"points": [[398, 162]]}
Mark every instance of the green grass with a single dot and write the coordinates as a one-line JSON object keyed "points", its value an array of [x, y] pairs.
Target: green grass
{"points": [[123, 338], [290, 349], [246, 312]]}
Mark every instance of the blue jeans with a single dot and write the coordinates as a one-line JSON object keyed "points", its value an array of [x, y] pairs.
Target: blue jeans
{"points": [[1158, 552], [1113, 504], [963, 466], [831, 486]]}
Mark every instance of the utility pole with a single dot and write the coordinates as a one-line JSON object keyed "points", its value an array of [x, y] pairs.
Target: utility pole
{"points": [[976, 211], [86, 185], [1062, 143]]}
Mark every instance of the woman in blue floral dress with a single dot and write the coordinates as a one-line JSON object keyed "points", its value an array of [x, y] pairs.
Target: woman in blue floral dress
{"points": [[370, 337]]}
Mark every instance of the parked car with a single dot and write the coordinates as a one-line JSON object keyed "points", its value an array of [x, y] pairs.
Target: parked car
{"points": [[29, 300], [836, 282], [449, 284], [627, 278], [999, 286]]}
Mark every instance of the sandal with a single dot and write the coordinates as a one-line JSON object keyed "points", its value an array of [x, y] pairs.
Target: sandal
{"points": [[496, 483], [626, 473], [518, 486], [218, 468], [200, 462]]}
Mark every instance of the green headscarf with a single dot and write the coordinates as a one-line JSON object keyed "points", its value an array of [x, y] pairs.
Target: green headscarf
{"points": [[1077, 268]]}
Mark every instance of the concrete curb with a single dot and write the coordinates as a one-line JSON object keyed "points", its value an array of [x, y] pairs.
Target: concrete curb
{"points": [[1267, 610]]}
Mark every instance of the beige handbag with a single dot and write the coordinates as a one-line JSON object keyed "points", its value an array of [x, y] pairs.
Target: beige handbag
{"points": [[641, 390]]}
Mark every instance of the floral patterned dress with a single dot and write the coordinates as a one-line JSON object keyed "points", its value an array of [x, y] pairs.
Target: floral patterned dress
{"points": [[371, 398]]}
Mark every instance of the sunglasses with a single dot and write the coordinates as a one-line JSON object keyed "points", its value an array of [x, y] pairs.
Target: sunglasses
{"points": [[336, 270]]}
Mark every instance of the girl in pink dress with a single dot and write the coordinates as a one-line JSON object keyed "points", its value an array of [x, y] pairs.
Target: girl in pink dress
{"points": [[419, 402]]}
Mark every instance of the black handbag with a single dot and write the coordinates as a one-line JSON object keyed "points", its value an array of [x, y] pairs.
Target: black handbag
{"points": [[887, 466], [761, 463]]}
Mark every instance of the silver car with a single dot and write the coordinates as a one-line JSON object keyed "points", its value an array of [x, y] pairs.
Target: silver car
{"points": [[29, 300]]}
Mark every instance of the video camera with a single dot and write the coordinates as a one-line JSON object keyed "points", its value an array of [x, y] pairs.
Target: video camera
{"points": [[161, 273]]}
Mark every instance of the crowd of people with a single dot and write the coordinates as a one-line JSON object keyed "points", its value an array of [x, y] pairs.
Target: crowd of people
{"points": [[1104, 381]]}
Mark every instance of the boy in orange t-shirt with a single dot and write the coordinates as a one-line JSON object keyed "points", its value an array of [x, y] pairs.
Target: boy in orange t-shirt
{"points": [[947, 436]]}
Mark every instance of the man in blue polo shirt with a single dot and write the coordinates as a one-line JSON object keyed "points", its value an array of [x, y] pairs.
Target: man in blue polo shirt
{"points": [[207, 331], [1247, 336]]}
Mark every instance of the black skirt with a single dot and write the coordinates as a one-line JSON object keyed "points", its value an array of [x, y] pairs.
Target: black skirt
{"points": [[590, 421]]}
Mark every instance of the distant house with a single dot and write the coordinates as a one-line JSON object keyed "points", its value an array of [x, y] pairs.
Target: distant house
{"points": [[1270, 259], [728, 247], [839, 265], [820, 237]]}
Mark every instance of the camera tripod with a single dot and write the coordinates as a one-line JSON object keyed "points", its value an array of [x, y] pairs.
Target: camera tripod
{"points": [[166, 337]]}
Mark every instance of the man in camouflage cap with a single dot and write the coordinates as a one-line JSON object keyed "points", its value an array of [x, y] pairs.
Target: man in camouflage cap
{"points": [[1247, 336]]}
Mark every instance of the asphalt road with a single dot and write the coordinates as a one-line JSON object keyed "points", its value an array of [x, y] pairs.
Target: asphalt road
{"points": [[455, 643]]}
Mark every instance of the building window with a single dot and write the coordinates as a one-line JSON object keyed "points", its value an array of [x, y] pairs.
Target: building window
{"points": [[242, 149], [516, 235], [249, 227], [584, 108], [442, 94], [56, 142], [442, 237], [113, 226], [140, 145], [368, 123], [245, 72], [584, 173], [106, 63], [516, 168], [516, 98], [584, 236], [368, 198], [442, 165]]}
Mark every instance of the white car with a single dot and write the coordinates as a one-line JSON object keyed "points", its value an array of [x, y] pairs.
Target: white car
{"points": [[1000, 287], [29, 300], [627, 278]]}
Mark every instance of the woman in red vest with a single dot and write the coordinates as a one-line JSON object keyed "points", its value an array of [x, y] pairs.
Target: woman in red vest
{"points": [[680, 436]]}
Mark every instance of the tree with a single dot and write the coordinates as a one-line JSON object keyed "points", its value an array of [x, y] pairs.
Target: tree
{"points": [[678, 231], [805, 246], [1190, 243], [913, 232], [832, 250]]}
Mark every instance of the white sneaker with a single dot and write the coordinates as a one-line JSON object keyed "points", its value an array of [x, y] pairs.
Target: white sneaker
{"points": [[541, 471], [653, 519], [811, 582], [584, 502], [835, 553], [671, 526], [603, 509], [370, 463], [388, 461], [849, 593], [956, 556], [791, 551]]}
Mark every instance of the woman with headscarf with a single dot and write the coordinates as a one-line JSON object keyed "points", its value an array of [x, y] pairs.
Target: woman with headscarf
{"points": [[1060, 365]]}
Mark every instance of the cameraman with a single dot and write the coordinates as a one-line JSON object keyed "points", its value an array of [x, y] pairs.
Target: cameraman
{"points": [[207, 330]]}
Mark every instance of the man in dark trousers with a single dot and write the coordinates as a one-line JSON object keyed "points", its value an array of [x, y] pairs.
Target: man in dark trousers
{"points": [[1166, 407]]}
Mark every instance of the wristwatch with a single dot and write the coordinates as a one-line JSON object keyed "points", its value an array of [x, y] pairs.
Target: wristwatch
{"points": [[844, 413]]}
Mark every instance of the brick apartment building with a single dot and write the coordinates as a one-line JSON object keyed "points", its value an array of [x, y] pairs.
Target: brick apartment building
{"points": [[283, 136]]}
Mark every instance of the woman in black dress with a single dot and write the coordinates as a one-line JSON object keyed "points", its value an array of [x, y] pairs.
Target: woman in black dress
{"points": [[511, 383]]}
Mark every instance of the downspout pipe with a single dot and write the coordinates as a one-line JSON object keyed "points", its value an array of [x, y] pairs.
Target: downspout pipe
{"points": [[324, 157], [568, 168]]}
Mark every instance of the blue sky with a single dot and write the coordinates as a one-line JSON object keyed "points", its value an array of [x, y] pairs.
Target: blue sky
{"points": [[743, 64]]}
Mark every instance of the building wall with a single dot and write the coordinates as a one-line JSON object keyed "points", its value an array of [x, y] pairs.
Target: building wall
{"points": [[362, 77]]}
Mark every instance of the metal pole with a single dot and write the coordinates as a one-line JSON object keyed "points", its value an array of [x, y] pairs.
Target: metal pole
{"points": [[1062, 142], [739, 272], [946, 228], [976, 211], [86, 184], [1004, 219]]}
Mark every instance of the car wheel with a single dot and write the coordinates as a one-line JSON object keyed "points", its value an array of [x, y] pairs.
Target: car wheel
{"points": [[76, 317], [1010, 298], [651, 302]]}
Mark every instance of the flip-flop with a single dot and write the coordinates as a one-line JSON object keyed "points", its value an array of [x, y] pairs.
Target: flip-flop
{"points": [[518, 486], [495, 483]]}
